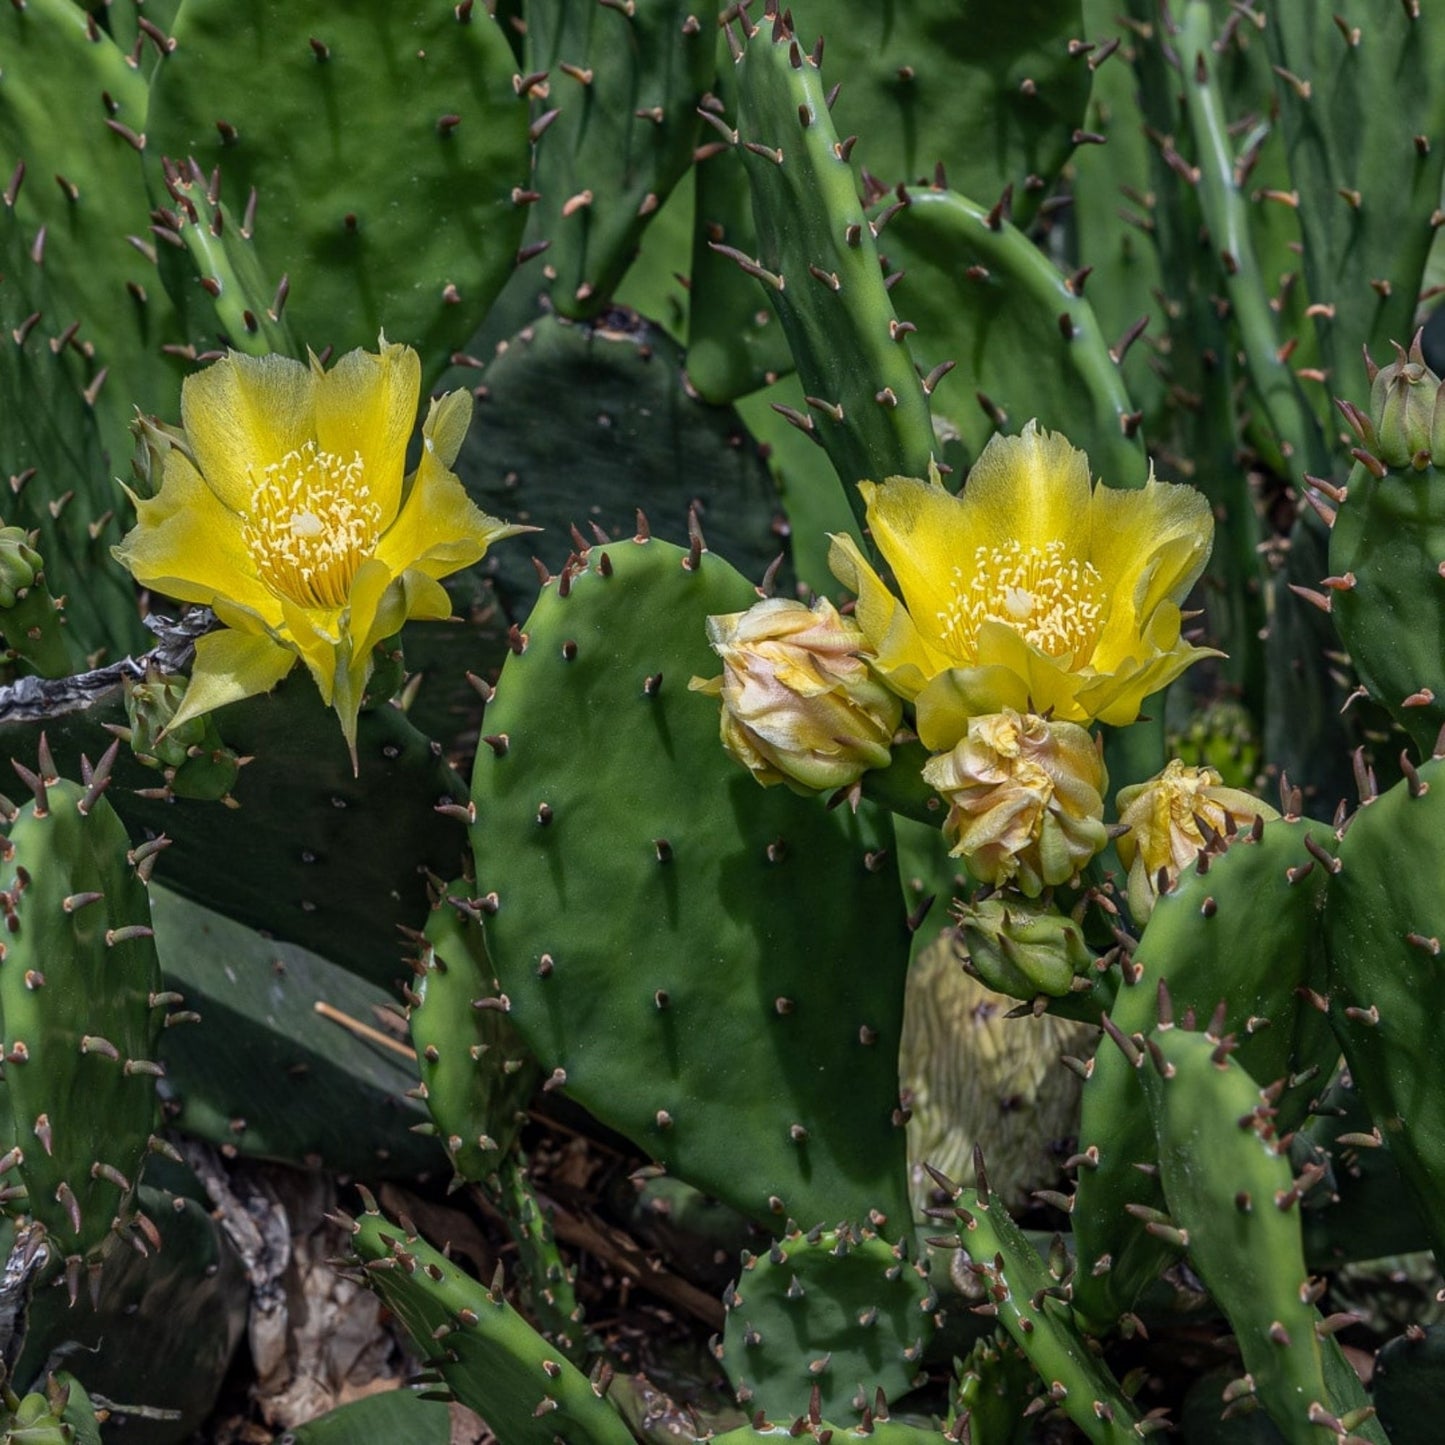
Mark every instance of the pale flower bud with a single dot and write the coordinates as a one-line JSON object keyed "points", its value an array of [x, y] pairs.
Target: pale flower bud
{"points": [[1166, 819], [1026, 799], [800, 703]]}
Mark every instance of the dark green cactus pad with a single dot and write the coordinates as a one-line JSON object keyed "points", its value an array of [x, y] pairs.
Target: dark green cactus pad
{"points": [[1362, 121], [608, 403], [74, 112], [818, 260], [840, 1309], [1384, 919], [651, 932], [165, 1326], [1242, 927], [491, 1359], [1409, 1383], [263, 1072], [926, 82], [1030, 1298], [51, 453], [1387, 546], [983, 295], [79, 996], [391, 1415], [361, 840], [622, 86], [476, 1075], [383, 133]]}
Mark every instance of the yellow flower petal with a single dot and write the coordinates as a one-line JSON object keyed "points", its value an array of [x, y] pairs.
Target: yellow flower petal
{"points": [[1034, 488], [445, 427], [439, 529], [366, 405], [188, 545], [901, 655], [230, 666], [243, 414]]}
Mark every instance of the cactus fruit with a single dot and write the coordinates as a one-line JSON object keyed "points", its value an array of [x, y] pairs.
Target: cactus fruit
{"points": [[664, 980], [840, 1311], [30, 621], [83, 1005]]}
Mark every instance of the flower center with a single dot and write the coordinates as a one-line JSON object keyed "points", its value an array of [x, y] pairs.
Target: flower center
{"points": [[1054, 601], [312, 524]]}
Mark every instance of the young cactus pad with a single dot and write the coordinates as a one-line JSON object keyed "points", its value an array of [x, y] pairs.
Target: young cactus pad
{"points": [[82, 1001], [650, 922]]}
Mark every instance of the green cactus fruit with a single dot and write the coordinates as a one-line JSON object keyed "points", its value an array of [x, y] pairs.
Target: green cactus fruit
{"points": [[1240, 930], [840, 1310], [431, 104], [1386, 592], [1383, 925], [196, 762], [1367, 174], [83, 1005], [491, 1359], [630, 374], [818, 259], [207, 257], [30, 621], [975, 1076], [290, 1058], [616, 90], [1022, 948], [1030, 1298], [670, 981], [1231, 1200], [1402, 407], [476, 1075], [1409, 1380], [1025, 339], [73, 117]]}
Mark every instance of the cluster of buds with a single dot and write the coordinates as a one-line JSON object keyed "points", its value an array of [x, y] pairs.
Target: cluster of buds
{"points": [[20, 565]]}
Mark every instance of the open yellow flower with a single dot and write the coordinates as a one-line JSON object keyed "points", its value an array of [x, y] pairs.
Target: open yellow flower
{"points": [[1030, 590], [287, 512]]}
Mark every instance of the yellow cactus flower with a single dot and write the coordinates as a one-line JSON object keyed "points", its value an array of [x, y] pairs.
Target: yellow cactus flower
{"points": [[1165, 821], [287, 511], [1026, 799], [799, 704], [1029, 590]]}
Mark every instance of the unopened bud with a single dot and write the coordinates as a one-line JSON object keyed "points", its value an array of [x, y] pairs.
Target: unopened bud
{"points": [[1022, 949], [1165, 821], [20, 565], [1025, 799], [149, 707], [800, 704], [154, 440], [1403, 402]]}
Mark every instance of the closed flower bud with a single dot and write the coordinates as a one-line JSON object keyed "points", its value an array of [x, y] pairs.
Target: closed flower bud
{"points": [[1165, 821], [1025, 799], [799, 702], [1022, 949], [153, 440], [1403, 402], [20, 564], [149, 708]]}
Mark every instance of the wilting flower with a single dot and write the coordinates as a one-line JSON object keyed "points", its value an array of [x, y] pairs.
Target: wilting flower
{"points": [[285, 509], [1025, 799], [1029, 590], [800, 704], [1165, 821]]}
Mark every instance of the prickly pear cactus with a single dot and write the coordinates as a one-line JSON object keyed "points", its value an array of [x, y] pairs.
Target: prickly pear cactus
{"points": [[83, 1004], [668, 980]]}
